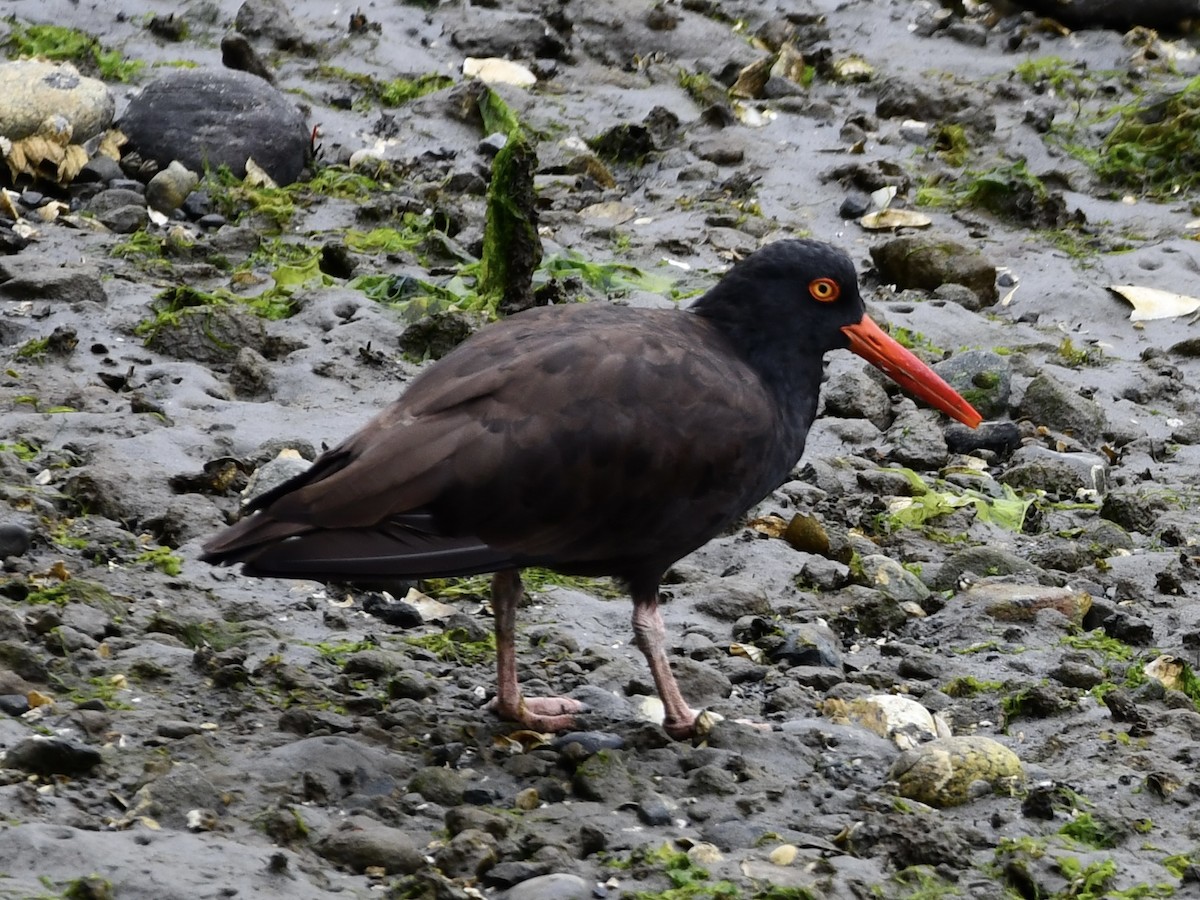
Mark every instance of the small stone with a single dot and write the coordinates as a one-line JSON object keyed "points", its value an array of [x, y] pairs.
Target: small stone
{"points": [[469, 854], [167, 190], [784, 855], [891, 579]]}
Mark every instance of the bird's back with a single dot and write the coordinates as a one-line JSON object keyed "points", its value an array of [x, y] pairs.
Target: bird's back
{"points": [[588, 438]]}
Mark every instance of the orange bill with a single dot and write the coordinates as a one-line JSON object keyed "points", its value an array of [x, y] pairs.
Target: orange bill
{"points": [[873, 344]]}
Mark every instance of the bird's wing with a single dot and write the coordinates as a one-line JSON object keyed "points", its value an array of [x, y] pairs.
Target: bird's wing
{"points": [[562, 437]]}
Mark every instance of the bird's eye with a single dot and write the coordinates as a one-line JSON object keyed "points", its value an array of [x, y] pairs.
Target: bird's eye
{"points": [[825, 290]]}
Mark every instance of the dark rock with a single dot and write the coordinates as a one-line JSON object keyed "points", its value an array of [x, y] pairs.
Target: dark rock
{"points": [[511, 872], [34, 280], [808, 645], [1118, 14], [238, 53], [210, 334], [125, 219], [15, 540], [433, 336], [52, 756], [926, 262], [900, 99], [250, 376], [628, 143], [209, 118], [731, 598], [1135, 508], [1000, 438]]}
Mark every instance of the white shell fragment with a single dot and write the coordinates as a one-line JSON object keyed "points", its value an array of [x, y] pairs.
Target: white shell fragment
{"points": [[888, 219], [495, 70], [1152, 303]]}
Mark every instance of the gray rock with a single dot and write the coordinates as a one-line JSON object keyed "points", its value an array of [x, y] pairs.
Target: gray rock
{"points": [[916, 440], [168, 799], [439, 785], [654, 810], [555, 886], [1136, 508], [113, 199], [1050, 402], [125, 219], [808, 645], [891, 579], [270, 20], [728, 599], [856, 395], [364, 844], [604, 777], [980, 561], [516, 35], [34, 280], [209, 334], [898, 98], [468, 854], [207, 118], [700, 683], [982, 377], [1040, 468]]}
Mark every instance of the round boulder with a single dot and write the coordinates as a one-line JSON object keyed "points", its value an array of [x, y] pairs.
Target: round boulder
{"points": [[206, 118], [31, 91]]}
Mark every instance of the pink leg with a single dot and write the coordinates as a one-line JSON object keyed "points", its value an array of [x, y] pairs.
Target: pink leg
{"points": [[539, 713], [651, 636]]}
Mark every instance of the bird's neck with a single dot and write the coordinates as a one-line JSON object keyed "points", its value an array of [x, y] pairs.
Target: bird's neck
{"points": [[788, 362]]}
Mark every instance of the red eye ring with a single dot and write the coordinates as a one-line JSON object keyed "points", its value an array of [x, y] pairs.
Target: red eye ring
{"points": [[824, 290]]}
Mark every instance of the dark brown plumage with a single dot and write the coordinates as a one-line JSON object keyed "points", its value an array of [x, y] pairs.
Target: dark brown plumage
{"points": [[589, 439]]}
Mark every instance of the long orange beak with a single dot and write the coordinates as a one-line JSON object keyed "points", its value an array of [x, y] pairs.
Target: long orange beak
{"points": [[873, 344]]}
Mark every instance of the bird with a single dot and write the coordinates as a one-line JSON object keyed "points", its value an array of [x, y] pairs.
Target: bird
{"points": [[591, 439]]}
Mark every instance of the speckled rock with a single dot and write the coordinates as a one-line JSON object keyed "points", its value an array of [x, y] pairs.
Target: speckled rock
{"points": [[31, 90], [951, 771]]}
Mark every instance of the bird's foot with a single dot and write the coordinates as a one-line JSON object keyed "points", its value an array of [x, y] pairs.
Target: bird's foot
{"points": [[550, 714], [701, 723]]}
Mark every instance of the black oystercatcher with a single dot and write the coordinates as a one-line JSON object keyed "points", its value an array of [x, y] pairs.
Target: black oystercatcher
{"points": [[586, 438]]}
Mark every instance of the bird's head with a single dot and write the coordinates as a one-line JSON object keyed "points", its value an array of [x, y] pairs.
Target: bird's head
{"points": [[806, 292]]}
